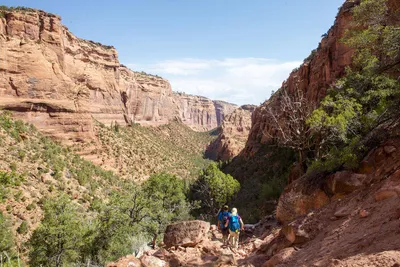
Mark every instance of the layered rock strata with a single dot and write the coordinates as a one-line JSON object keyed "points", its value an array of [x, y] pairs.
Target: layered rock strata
{"points": [[60, 83]]}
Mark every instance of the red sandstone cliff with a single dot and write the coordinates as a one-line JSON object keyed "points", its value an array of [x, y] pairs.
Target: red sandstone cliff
{"points": [[233, 134], [59, 82], [326, 64]]}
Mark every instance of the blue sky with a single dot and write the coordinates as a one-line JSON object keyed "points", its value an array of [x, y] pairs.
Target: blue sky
{"points": [[233, 50]]}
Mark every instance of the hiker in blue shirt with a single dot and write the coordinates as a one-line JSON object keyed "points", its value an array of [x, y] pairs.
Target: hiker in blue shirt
{"points": [[223, 216], [235, 225]]}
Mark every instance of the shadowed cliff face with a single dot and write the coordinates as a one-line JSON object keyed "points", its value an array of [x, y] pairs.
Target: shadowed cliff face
{"points": [[233, 134], [59, 82]]}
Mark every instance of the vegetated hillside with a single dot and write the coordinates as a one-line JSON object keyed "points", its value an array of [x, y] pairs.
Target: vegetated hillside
{"points": [[136, 152], [47, 186], [33, 167]]}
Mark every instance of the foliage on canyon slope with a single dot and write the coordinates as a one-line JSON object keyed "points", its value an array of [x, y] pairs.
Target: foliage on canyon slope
{"points": [[103, 214], [136, 152], [69, 234], [368, 96]]}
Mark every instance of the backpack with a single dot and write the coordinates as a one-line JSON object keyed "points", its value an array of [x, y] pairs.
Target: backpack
{"points": [[225, 217], [234, 224]]}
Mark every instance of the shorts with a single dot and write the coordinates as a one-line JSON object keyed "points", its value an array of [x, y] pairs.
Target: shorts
{"points": [[225, 231]]}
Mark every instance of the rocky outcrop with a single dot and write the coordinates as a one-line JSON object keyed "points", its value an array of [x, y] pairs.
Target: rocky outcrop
{"points": [[356, 229], [60, 83], [233, 134], [300, 197]]}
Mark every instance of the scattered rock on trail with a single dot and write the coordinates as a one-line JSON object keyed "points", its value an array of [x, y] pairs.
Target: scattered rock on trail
{"points": [[364, 213], [128, 261], [342, 212], [280, 257], [152, 261], [295, 234]]}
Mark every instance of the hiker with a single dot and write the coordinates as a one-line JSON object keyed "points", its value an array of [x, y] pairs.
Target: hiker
{"points": [[223, 216], [235, 225]]}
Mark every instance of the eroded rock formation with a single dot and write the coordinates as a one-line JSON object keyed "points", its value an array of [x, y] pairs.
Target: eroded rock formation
{"points": [[59, 82], [233, 134]]}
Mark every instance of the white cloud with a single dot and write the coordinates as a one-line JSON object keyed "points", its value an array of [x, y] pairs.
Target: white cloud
{"points": [[236, 80], [181, 67]]}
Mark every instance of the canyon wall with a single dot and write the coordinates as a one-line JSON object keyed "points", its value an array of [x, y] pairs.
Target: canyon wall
{"points": [[318, 72], [60, 83], [233, 134]]}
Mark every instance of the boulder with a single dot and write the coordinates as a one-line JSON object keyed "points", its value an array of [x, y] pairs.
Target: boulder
{"points": [[389, 149], [280, 257], [226, 259], [390, 189], [128, 261], [345, 182], [186, 234], [385, 194], [295, 234], [151, 261], [213, 227], [342, 212], [161, 254], [293, 202]]}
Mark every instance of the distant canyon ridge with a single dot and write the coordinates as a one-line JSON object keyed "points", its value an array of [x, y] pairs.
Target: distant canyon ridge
{"points": [[60, 83]]}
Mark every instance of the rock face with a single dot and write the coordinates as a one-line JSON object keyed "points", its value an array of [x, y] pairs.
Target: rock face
{"points": [[381, 162], [186, 234], [325, 64], [59, 82], [233, 134], [201, 113]]}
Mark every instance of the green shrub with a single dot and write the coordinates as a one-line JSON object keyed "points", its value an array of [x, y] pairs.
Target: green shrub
{"points": [[21, 154], [31, 206], [4, 191], [61, 236], [272, 189], [10, 179], [214, 189], [6, 240], [23, 228], [13, 127]]}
